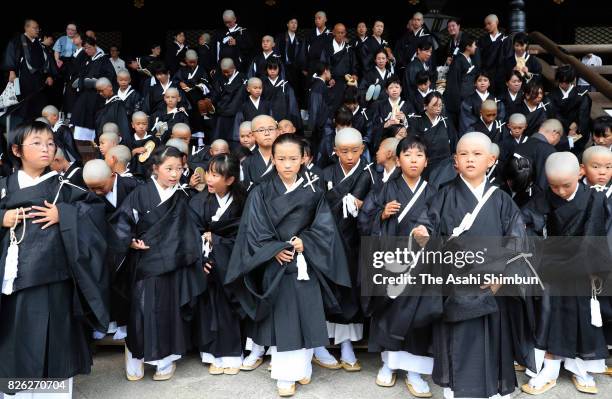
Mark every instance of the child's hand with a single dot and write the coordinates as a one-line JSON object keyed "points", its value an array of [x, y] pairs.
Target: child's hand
{"points": [[421, 235], [493, 287], [207, 267], [284, 256], [15, 215], [138, 244], [390, 209], [298, 245], [358, 203], [207, 236], [194, 180], [332, 83], [138, 151], [48, 214]]}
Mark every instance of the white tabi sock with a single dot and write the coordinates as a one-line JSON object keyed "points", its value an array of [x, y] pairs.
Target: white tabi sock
{"points": [[257, 351], [586, 379], [121, 333], [417, 382], [347, 354], [323, 355], [134, 367], [549, 372], [284, 384], [385, 374], [164, 369]]}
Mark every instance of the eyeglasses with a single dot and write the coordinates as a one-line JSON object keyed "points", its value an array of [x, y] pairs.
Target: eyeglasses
{"points": [[266, 130], [40, 146]]}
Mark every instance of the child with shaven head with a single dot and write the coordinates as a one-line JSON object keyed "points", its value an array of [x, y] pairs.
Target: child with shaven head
{"points": [[569, 208], [162, 121], [131, 97], [512, 135], [118, 158], [107, 141], [258, 66], [596, 166], [452, 213], [247, 139]]}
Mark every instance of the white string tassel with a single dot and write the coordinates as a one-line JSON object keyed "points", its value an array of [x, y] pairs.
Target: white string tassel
{"points": [[349, 206], [301, 264], [12, 256], [596, 285]]}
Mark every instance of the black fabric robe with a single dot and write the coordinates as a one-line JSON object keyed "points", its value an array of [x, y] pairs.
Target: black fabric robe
{"points": [[396, 324], [366, 52], [284, 311], [495, 132], [492, 57], [171, 118], [372, 77], [132, 102], [564, 323], [227, 103], [507, 145], [74, 174], [543, 111], [88, 102], [337, 187], [284, 101], [141, 170], [240, 53], [470, 110], [319, 111], [175, 55], [254, 168], [409, 83], [480, 334], [537, 149], [441, 140], [113, 110], [258, 65], [406, 47], [206, 58], [575, 108], [341, 63], [459, 83], [511, 106], [216, 325], [154, 97], [197, 81], [382, 113], [63, 138], [531, 62], [61, 289], [315, 44], [167, 278]]}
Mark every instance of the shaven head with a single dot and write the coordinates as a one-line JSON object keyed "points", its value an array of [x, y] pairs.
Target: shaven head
{"points": [[227, 63], [562, 172], [252, 82], [219, 146], [475, 139], [597, 165], [110, 127], [552, 129], [495, 150], [387, 150], [348, 136], [139, 116], [474, 157], [179, 145], [245, 127], [191, 55], [110, 137], [121, 153], [102, 83], [96, 170], [488, 105], [517, 119], [390, 144], [172, 91], [492, 18], [123, 74], [49, 110]]}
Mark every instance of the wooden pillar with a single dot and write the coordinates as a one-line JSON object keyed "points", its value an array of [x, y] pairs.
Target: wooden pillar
{"points": [[518, 19]]}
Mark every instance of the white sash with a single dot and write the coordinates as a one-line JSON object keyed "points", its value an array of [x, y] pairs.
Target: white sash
{"points": [[412, 201], [470, 217]]}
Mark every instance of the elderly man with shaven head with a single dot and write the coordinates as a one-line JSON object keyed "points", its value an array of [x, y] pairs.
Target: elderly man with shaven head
{"points": [[494, 49], [315, 39], [193, 79], [342, 61], [233, 42], [229, 100], [406, 47]]}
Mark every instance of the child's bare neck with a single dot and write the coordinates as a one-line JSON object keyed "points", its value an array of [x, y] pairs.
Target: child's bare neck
{"points": [[31, 171], [474, 181], [389, 164], [411, 181]]}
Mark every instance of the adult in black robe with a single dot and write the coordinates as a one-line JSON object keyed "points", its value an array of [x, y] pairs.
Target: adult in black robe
{"points": [[216, 327], [60, 274], [286, 312], [373, 77], [537, 149], [341, 62], [315, 41], [154, 99], [88, 101], [230, 97], [74, 174], [258, 66], [459, 84], [367, 51], [239, 48], [293, 53], [114, 111], [281, 95], [338, 185], [319, 111], [439, 136], [406, 46], [414, 67], [166, 278], [26, 59], [175, 53], [207, 58], [194, 83], [493, 51], [531, 62], [511, 101], [573, 108], [480, 334], [535, 116]]}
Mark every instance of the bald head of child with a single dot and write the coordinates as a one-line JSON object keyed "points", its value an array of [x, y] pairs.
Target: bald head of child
{"points": [[98, 177], [254, 87], [563, 173], [474, 157], [597, 165], [349, 147]]}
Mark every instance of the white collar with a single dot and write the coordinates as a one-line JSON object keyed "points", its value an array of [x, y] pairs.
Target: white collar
{"points": [[191, 74], [164, 193], [99, 53], [267, 55], [321, 32], [467, 58], [529, 108], [223, 200], [525, 56], [252, 148], [425, 93], [273, 81], [435, 121], [490, 126], [398, 103], [113, 98], [356, 110], [231, 78], [146, 136], [318, 77], [386, 174], [494, 38], [381, 72], [566, 93], [255, 102], [378, 39], [483, 96], [111, 196], [166, 87], [26, 181], [478, 191], [571, 197], [294, 185], [77, 51], [338, 47], [125, 94], [262, 157], [350, 172], [512, 96], [291, 35], [234, 28]]}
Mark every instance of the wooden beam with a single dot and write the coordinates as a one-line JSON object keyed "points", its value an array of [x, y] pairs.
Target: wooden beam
{"points": [[575, 49]]}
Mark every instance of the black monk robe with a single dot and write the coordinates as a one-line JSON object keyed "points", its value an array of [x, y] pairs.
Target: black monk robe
{"points": [[287, 312], [216, 326], [167, 278], [61, 287]]}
